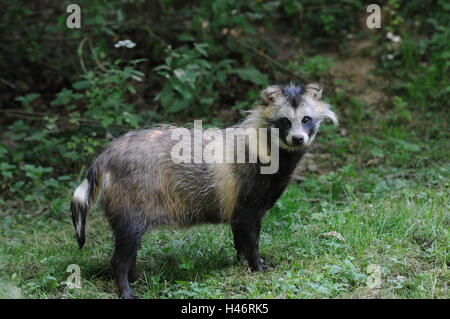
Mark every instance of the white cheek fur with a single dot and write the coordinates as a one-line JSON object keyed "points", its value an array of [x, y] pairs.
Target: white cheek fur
{"points": [[289, 139]]}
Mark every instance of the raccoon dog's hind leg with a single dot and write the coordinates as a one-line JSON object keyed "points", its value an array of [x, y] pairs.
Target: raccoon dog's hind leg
{"points": [[128, 229]]}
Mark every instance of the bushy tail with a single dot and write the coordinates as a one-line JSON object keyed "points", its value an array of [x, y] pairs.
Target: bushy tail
{"points": [[83, 197]]}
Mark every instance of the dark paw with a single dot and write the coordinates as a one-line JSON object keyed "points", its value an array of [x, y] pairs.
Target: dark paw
{"points": [[130, 296], [260, 267], [257, 268], [127, 294]]}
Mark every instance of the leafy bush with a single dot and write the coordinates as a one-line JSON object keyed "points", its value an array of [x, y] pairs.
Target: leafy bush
{"points": [[190, 78]]}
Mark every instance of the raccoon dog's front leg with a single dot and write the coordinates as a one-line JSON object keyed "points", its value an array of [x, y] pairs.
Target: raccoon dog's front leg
{"points": [[246, 227]]}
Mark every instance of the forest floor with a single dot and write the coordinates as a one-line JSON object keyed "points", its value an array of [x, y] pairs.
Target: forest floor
{"points": [[369, 221]]}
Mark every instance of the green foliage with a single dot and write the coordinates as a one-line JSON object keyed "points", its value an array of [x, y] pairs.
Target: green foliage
{"points": [[28, 166], [315, 66], [253, 75], [190, 78], [324, 24], [400, 112], [422, 56], [106, 95], [27, 99]]}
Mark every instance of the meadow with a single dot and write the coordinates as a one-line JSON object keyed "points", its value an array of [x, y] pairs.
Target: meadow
{"points": [[367, 215]]}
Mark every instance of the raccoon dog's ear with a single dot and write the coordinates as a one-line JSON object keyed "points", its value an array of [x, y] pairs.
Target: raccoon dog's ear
{"points": [[314, 91], [269, 94], [329, 114]]}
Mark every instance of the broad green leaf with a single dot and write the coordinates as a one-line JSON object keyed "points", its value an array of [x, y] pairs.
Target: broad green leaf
{"points": [[252, 74], [81, 85], [178, 106]]}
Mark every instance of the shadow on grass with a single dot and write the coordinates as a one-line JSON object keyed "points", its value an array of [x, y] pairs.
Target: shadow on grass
{"points": [[168, 266], [182, 266], [96, 270]]}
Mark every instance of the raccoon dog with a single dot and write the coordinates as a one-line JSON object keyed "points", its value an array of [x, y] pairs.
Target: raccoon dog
{"points": [[141, 186]]}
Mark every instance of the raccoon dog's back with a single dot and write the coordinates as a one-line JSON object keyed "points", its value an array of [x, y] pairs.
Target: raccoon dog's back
{"points": [[139, 174]]}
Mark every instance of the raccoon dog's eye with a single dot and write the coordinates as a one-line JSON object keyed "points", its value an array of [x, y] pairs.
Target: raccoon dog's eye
{"points": [[306, 119], [284, 121]]}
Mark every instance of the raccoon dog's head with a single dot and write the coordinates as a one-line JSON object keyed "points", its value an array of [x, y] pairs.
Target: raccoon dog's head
{"points": [[297, 112]]}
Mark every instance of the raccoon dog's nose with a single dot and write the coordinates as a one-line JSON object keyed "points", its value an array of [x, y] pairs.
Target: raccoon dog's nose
{"points": [[297, 139]]}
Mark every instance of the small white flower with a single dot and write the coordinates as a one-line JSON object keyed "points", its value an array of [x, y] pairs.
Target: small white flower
{"points": [[396, 39], [390, 56], [125, 43]]}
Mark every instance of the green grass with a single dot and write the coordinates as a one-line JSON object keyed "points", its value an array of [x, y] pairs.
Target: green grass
{"points": [[401, 224]]}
